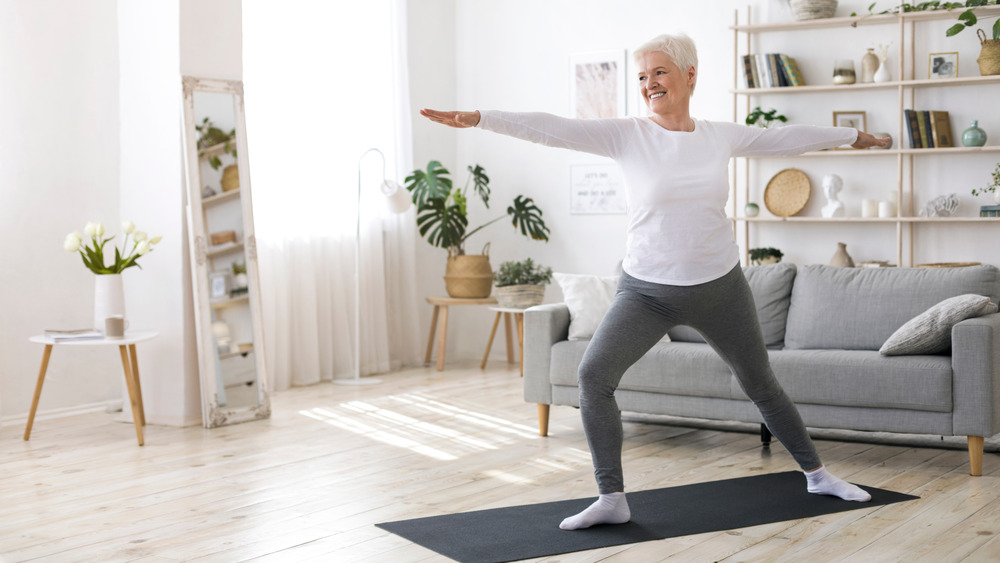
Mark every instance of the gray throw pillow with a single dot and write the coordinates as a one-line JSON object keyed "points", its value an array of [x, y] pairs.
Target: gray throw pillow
{"points": [[930, 331]]}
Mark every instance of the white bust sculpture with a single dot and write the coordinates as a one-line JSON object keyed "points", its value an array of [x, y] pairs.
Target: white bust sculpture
{"points": [[832, 184]]}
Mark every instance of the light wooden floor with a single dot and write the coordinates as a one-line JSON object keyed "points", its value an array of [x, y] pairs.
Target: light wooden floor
{"points": [[309, 484]]}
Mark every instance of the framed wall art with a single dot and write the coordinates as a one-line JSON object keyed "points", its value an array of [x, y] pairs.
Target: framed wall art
{"points": [[597, 84]]}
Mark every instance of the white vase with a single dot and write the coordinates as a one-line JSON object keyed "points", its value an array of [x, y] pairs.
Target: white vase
{"points": [[882, 74], [109, 298]]}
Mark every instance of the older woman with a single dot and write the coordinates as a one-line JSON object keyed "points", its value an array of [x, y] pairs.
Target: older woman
{"points": [[681, 264]]}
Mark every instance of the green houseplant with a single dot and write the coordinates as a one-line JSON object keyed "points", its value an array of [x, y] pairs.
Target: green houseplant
{"points": [[993, 187], [210, 136], [763, 256], [764, 119], [442, 218], [521, 284]]}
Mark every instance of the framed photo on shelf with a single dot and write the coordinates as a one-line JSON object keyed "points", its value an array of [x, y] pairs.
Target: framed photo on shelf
{"points": [[218, 285], [855, 119], [942, 65], [597, 84]]}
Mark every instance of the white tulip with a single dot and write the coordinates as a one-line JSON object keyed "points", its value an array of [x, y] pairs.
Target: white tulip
{"points": [[128, 227], [143, 247], [156, 239], [71, 244], [140, 236], [100, 229], [90, 230]]}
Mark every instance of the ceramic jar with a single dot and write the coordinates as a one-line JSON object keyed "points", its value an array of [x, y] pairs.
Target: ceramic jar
{"points": [[974, 136], [841, 258], [869, 64]]}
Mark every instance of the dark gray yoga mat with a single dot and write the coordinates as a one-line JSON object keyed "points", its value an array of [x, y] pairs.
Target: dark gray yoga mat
{"points": [[524, 532]]}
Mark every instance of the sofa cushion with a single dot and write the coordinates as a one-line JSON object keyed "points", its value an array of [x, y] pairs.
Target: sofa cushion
{"points": [[863, 378], [860, 308], [588, 299], [930, 331], [771, 286]]}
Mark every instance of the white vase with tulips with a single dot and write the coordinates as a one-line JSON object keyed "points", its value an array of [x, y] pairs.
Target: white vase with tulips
{"points": [[109, 294]]}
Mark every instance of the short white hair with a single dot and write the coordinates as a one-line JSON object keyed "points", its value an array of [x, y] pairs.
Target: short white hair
{"points": [[680, 48]]}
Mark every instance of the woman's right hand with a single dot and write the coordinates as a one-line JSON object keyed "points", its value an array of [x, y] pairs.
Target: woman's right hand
{"points": [[458, 119]]}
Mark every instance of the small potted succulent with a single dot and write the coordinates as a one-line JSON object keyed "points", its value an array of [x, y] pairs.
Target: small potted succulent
{"points": [[764, 256], [765, 119], [520, 285]]}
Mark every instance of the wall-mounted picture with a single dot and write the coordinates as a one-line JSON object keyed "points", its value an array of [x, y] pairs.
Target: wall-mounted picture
{"points": [[942, 65], [597, 84], [596, 188]]}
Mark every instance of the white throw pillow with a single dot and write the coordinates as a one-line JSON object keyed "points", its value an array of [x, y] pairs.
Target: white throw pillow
{"points": [[930, 331], [588, 298]]}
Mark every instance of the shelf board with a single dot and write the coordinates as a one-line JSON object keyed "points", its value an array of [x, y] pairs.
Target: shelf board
{"points": [[221, 198], [865, 19], [214, 251], [886, 152], [231, 302], [217, 149], [884, 220], [920, 83]]}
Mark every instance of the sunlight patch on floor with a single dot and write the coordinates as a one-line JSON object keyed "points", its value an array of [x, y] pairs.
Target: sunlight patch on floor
{"points": [[350, 425]]}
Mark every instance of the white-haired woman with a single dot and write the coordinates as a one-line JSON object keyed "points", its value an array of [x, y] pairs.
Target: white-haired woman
{"points": [[682, 263]]}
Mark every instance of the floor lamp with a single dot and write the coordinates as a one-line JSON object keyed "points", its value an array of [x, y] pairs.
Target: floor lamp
{"points": [[398, 201]]}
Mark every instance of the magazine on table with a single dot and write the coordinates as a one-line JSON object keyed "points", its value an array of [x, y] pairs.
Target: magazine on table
{"points": [[74, 334]]}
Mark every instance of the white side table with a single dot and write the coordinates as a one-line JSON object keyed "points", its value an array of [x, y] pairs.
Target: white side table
{"points": [[126, 347], [518, 315]]}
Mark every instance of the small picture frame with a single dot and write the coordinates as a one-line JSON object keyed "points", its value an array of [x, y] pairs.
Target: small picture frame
{"points": [[218, 285], [855, 119], [942, 65]]}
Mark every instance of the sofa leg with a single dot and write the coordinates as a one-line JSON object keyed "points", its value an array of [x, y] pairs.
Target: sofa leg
{"points": [[543, 420], [765, 436], [975, 456]]}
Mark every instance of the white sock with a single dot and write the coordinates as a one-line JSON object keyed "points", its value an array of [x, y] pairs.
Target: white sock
{"points": [[821, 482], [611, 508]]}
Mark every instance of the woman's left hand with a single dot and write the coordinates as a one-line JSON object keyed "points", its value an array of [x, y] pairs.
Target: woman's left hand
{"points": [[865, 141]]}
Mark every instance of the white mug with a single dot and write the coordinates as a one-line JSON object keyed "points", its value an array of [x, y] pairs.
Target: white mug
{"points": [[114, 327]]}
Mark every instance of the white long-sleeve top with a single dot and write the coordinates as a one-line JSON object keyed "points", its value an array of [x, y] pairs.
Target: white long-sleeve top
{"points": [[676, 182]]}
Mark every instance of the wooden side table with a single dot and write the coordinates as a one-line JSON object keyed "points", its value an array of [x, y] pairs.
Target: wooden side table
{"points": [[507, 313], [126, 347], [441, 305]]}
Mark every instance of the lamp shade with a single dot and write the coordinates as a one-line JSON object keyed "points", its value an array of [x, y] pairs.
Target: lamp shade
{"points": [[396, 197]]}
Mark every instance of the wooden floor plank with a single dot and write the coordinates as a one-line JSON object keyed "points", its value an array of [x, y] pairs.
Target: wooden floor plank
{"points": [[310, 483]]}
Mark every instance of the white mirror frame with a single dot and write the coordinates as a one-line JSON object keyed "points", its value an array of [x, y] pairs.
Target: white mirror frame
{"points": [[213, 414]]}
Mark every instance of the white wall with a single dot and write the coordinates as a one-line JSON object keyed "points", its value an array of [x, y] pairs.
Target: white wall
{"points": [[59, 168], [514, 55]]}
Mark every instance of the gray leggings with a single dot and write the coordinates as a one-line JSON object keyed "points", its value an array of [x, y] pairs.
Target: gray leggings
{"points": [[723, 312]]}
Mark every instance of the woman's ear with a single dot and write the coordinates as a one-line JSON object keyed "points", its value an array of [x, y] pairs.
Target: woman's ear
{"points": [[691, 73]]}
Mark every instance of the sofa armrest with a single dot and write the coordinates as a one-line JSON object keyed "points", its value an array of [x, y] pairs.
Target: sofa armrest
{"points": [[544, 325], [975, 362]]}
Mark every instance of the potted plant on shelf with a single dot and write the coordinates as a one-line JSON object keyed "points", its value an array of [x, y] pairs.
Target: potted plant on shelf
{"points": [[764, 119], [210, 138], [520, 285], [442, 218], [764, 256], [993, 187]]}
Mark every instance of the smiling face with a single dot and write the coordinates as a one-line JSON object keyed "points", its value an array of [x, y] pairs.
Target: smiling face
{"points": [[665, 87]]}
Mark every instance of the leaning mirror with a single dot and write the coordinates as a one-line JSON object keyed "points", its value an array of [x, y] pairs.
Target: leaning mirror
{"points": [[225, 282]]}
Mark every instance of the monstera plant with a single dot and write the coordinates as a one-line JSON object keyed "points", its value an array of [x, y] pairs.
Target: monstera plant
{"points": [[443, 219], [442, 210]]}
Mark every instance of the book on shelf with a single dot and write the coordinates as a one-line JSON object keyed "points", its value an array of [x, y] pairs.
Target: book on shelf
{"points": [[922, 128], [989, 211], [941, 129], [791, 69], [771, 70], [928, 129], [74, 334]]}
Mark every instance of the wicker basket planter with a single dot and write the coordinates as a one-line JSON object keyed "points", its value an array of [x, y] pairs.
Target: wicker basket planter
{"points": [[469, 276], [520, 296], [989, 56]]}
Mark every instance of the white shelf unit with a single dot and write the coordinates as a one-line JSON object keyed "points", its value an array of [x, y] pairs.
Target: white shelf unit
{"points": [[906, 88]]}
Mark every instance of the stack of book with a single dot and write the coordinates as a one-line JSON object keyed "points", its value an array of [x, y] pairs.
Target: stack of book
{"points": [[76, 334], [772, 70], [989, 211], [928, 129]]}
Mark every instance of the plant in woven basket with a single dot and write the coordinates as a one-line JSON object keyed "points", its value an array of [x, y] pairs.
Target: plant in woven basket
{"points": [[762, 256], [442, 209], [764, 119], [525, 272]]}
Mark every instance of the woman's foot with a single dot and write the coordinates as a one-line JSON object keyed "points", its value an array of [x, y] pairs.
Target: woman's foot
{"points": [[821, 482], [611, 508]]}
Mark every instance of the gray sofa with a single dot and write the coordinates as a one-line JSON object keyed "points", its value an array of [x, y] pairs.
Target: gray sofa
{"points": [[824, 327]]}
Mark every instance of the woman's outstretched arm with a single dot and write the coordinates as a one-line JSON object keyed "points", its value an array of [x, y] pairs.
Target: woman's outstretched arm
{"points": [[457, 119]]}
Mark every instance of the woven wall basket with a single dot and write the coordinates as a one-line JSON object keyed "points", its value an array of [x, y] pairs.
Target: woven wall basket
{"points": [[989, 57], [519, 296], [469, 276]]}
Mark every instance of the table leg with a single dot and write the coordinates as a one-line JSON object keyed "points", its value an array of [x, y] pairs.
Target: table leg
{"points": [[430, 339], [130, 383], [519, 318], [138, 384], [489, 344], [442, 337], [38, 390], [510, 343]]}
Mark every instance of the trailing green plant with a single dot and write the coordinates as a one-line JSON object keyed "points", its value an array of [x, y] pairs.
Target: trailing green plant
{"points": [[762, 118], [991, 187], [757, 255], [442, 209], [967, 18], [525, 272], [210, 136]]}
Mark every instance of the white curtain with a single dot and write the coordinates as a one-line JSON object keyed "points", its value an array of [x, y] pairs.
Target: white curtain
{"points": [[325, 82]]}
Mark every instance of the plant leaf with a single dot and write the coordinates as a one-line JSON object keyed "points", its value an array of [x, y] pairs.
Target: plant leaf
{"points": [[955, 30], [996, 30], [424, 186], [482, 184], [527, 217], [969, 17], [443, 225]]}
